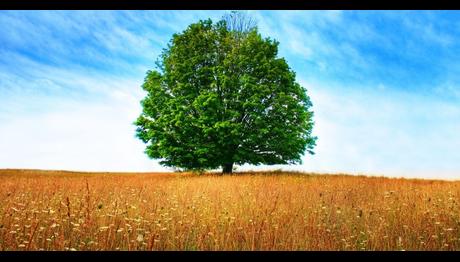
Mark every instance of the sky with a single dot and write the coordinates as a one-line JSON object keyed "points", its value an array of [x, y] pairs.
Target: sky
{"points": [[385, 87]]}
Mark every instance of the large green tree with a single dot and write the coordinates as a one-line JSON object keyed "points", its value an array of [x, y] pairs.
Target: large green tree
{"points": [[220, 96]]}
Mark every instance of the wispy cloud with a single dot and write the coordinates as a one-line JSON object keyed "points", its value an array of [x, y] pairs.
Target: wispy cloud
{"points": [[76, 136], [386, 132]]}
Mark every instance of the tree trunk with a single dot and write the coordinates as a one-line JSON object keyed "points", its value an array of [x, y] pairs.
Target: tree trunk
{"points": [[227, 168]]}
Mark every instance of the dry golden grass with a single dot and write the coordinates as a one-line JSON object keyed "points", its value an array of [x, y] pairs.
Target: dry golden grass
{"points": [[87, 211]]}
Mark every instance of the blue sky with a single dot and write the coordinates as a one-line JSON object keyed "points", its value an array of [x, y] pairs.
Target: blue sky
{"points": [[385, 87]]}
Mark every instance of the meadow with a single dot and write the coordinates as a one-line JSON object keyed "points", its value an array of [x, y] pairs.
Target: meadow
{"points": [[55, 210]]}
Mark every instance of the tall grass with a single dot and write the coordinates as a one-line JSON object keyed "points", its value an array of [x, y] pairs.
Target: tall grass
{"points": [[253, 211]]}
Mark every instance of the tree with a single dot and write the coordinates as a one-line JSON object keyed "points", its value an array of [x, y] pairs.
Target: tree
{"points": [[220, 96]]}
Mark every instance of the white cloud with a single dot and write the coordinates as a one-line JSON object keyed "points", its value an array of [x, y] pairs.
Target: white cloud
{"points": [[384, 132], [77, 135]]}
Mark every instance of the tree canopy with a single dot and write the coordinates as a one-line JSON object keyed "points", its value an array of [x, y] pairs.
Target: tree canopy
{"points": [[221, 96]]}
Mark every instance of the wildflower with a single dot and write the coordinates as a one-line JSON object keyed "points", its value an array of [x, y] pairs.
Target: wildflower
{"points": [[140, 238]]}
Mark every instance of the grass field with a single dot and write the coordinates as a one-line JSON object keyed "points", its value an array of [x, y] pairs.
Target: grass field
{"points": [[55, 210]]}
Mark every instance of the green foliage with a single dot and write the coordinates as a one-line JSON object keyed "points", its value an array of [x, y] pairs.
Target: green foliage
{"points": [[221, 97]]}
